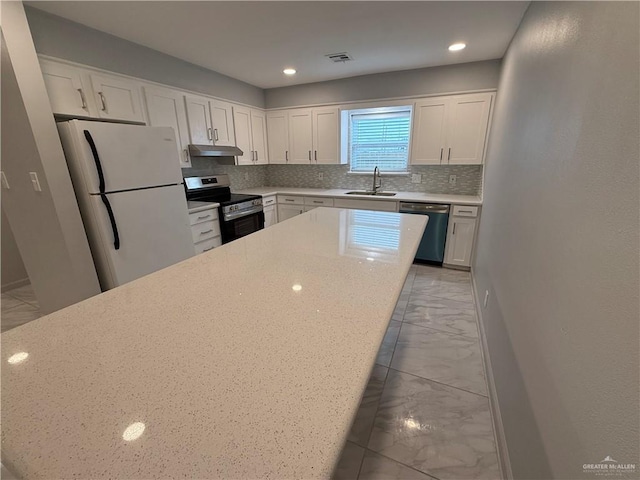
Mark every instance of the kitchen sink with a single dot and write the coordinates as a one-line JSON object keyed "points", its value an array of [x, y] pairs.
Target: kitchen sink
{"points": [[371, 193]]}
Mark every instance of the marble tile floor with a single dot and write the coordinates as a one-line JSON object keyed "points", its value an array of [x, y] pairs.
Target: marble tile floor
{"points": [[19, 306], [425, 412]]}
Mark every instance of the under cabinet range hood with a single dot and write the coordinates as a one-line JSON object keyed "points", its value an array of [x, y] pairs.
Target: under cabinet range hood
{"points": [[214, 151]]}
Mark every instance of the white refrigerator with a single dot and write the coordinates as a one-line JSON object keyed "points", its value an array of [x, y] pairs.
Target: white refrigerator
{"points": [[129, 187]]}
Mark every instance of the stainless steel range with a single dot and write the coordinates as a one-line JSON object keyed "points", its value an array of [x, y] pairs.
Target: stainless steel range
{"points": [[240, 215]]}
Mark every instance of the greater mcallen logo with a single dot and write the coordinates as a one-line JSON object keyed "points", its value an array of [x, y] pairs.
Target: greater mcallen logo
{"points": [[609, 466]]}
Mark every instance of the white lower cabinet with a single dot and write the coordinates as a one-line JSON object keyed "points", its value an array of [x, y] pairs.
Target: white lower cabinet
{"points": [[205, 230], [460, 236], [270, 210], [286, 212]]}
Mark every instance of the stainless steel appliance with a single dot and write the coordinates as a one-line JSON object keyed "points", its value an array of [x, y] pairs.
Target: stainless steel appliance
{"points": [[431, 249], [240, 215]]}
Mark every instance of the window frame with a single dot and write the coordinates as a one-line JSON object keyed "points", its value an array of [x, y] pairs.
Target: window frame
{"points": [[346, 132]]}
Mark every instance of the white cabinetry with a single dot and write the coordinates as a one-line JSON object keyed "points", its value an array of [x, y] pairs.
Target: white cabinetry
{"points": [[270, 210], [165, 108], [381, 205], [286, 212], [251, 135], [304, 136], [205, 229], [69, 93], [450, 130], [460, 236], [222, 123], [210, 121], [117, 98]]}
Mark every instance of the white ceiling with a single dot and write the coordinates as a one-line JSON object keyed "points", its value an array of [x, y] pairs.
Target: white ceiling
{"points": [[254, 41]]}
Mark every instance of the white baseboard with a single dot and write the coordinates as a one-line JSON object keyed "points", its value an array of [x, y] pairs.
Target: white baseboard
{"points": [[16, 284], [498, 428]]}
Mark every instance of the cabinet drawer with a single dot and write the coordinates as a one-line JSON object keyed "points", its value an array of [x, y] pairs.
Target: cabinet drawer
{"points": [[203, 216], [464, 211], [270, 200], [205, 230], [318, 201], [366, 204], [290, 200], [207, 245]]}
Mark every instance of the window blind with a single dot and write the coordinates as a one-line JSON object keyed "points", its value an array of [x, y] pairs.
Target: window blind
{"points": [[379, 139]]}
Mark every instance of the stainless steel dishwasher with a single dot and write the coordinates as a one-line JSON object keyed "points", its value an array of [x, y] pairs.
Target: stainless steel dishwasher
{"points": [[431, 249]]}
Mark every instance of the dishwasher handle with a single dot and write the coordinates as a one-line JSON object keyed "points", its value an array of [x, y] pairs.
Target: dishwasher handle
{"points": [[424, 208]]}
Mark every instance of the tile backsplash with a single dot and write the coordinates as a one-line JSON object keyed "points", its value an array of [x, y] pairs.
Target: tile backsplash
{"points": [[435, 178]]}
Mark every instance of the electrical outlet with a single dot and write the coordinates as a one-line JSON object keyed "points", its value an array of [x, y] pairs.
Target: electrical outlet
{"points": [[246, 176], [486, 298], [416, 178], [320, 176], [452, 179]]}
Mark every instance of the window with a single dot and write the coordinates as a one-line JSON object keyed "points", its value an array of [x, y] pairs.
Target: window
{"points": [[379, 137]]}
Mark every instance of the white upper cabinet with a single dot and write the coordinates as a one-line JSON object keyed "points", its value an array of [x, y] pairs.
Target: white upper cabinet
{"points": [[68, 94], [117, 98], [325, 135], [300, 136], [222, 123], [251, 135], [259, 136], [199, 120], [278, 135], [166, 108], [304, 136], [429, 131], [468, 124], [450, 130]]}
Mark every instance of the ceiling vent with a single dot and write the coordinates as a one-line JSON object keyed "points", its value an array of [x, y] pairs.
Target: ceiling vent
{"points": [[339, 57]]}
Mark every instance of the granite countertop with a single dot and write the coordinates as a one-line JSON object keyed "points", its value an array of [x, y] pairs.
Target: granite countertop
{"points": [[195, 206], [248, 361], [341, 193]]}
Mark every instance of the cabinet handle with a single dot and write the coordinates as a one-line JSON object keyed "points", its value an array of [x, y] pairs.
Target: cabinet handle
{"points": [[211, 230], [465, 211], [84, 102], [215, 134], [318, 201], [186, 155], [449, 156], [286, 156], [441, 150], [315, 155], [309, 155], [104, 104], [288, 199], [454, 229], [204, 217], [207, 249], [257, 156], [209, 135]]}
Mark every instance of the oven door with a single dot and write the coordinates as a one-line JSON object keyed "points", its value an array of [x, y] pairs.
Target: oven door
{"points": [[241, 226]]}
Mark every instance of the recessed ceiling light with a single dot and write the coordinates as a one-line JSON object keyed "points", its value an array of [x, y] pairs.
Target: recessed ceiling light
{"points": [[289, 71], [457, 46]]}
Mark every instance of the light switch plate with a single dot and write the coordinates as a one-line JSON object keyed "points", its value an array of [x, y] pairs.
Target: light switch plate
{"points": [[452, 179], [320, 176], [416, 178], [35, 182]]}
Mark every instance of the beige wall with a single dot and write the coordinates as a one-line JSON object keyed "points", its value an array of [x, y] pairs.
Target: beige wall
{"points": [[13, 271], [47, 224], [558, 247]]}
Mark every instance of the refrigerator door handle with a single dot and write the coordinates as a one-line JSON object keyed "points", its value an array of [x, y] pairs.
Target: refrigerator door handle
{"points": [[96, 158], [102, 189], [112, 219]]}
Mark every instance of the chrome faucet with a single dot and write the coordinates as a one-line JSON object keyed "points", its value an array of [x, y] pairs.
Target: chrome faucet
{"points": [[376, 184]]}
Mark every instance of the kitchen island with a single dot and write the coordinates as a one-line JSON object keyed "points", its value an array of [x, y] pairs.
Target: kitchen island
{"points": [[248, 361]]}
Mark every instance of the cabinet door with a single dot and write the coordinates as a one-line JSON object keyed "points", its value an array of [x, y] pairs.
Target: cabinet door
{"points": [[259, 136], [117, 99], [289, 211], [325, 135], [242, 124], [278, 137], [429, 131], [165, 108], [459, 246], [67, 94], [270, 216], [199, 120], [300, 136], [222, 123], [468, 123]]}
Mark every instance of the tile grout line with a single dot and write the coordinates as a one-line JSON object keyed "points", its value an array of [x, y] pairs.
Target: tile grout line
{"points": [[439, 383], [435, 330], [400, 463]]}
